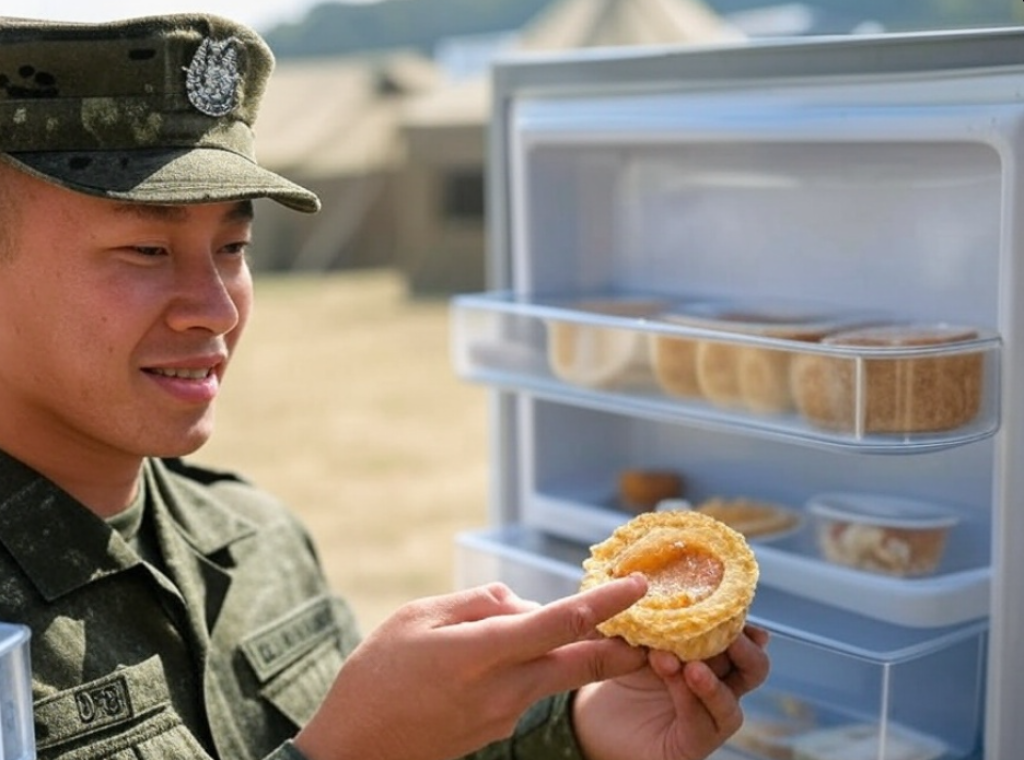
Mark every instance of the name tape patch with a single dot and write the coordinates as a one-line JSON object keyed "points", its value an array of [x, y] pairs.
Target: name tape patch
{"points": [[283, 642]]}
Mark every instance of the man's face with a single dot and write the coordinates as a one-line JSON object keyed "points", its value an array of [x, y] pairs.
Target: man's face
{"points": [[117, 321]]}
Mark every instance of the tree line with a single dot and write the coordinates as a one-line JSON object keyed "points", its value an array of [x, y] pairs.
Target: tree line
{"points": [[337, 28]]}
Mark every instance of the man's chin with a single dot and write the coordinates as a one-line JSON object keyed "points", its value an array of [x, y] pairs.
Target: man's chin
{"points": [[184, 445]]}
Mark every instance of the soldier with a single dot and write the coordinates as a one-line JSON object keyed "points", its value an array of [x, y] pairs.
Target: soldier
{"points": [[178, 612]]}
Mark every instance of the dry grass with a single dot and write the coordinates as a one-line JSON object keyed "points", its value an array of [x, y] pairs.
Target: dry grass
{"points": [[342, 401]]}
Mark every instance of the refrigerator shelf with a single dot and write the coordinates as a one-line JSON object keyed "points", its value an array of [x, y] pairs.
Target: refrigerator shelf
{"points": [[828, 380], [843, 668], [956, 592]]}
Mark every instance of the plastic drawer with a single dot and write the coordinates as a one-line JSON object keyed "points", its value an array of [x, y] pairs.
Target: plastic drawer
{"points": [[839, 678], [17, 735]]}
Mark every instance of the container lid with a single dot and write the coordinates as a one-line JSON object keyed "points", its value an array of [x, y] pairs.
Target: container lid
{"points": [[769, 317], [903, 335], [882, 510]]}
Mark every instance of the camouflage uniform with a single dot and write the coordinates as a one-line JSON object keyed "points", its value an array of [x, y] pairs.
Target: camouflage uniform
{"points": [[221, 647], [211, 632]]}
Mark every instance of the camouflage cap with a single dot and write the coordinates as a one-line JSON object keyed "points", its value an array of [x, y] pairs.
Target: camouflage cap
{"points": [[148, 110]]}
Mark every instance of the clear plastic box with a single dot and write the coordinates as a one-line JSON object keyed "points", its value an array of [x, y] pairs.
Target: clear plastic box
{"points": [[906, 386], [896, 692], [17, 735]]}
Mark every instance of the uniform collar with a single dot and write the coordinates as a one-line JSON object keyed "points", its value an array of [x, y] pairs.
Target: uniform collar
{"points": [[62, 546], [202, 520]]}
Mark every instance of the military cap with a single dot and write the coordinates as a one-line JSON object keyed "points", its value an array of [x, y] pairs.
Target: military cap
{"points": [[158, 109]]}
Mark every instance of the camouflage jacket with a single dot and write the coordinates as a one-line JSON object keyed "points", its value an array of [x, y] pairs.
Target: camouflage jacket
{"points": [[223, 654]]}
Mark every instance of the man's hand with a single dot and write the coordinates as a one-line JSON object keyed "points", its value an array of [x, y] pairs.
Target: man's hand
{"points": [[671, 710], [449, 674]]}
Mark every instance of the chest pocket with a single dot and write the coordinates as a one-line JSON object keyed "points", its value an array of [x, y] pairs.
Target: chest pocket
{"points": [[126, 714], [297, 657]]}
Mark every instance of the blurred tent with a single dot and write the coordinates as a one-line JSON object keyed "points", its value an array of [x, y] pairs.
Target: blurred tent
{"points": [[333, 125], [396, 149], [442, 231]]}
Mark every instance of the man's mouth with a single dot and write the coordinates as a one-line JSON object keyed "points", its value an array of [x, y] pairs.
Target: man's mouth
{"points": [[181, 373]]}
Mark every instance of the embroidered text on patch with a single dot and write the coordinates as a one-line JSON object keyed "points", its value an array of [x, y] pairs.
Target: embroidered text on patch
{"points": [[213, 77], [103, 703]]}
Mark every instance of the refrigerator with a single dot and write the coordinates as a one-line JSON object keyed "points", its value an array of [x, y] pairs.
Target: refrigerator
{"points": [[791, 273]]}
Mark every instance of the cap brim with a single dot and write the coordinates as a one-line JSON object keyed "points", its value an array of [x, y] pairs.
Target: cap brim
{"points": [[165, 177]]}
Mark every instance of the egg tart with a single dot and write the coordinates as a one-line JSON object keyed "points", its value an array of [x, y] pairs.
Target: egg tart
{"points": [[701, 577]]}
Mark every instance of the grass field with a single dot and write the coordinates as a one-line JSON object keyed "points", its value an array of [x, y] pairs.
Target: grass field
{"points": [[343, 402]]}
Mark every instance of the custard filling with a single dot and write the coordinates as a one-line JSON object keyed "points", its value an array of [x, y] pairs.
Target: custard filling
{"points": [[678, 574]]}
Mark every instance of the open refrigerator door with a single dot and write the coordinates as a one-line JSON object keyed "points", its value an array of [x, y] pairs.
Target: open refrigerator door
{"points": [[788, 273]]}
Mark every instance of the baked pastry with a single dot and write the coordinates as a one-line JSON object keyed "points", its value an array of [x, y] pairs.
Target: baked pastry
{"points": [[602, 357], [701, 578], [732, 374], [674, 362], [754, 377], [928, 393], [752, 518], [640, 490]]}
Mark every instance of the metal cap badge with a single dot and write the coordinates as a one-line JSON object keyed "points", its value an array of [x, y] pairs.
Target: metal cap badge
{"points": [[149, 110], [213, 76]]}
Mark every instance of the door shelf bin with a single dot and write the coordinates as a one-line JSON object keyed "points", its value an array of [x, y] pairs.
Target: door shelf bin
{"points": [[894, 386], [839, 678]]}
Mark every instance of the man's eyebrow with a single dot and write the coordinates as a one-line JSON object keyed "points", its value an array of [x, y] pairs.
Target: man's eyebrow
{"points": [[240, 211]]}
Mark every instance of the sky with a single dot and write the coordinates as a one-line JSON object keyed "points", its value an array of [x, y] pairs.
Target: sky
{"points": [[260, 14]]}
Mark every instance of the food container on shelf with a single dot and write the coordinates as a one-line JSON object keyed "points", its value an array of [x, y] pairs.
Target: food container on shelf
{"points": [[734, 374], [881, 534], [596, 355], [906, 392]]}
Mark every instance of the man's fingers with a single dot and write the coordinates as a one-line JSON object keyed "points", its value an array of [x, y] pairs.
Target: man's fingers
{"points": [[472, 605], [721, 704], [749, 662], [574, 665], [567, 620]]}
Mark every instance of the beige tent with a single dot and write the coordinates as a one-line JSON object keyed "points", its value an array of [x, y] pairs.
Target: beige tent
{"points": [[442, 248], [333, 125]]}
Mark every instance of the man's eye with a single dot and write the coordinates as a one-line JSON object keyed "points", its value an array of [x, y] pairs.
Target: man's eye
{"points": [[148, 250], [238, 248]]}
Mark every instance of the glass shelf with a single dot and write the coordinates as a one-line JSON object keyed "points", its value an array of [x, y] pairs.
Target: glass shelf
{"points": [[792, 371]]}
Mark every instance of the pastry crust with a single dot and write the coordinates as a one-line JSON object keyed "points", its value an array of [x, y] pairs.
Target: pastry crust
{"points": [[701, 580]]}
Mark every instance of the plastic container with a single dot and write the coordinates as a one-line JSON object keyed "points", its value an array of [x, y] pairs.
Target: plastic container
{"points": [[17, 735], [903, 393], [881, 534], [602, 357], [730, 374]]}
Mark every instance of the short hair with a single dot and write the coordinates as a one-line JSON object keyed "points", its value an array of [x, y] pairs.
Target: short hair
{"points": [[7, 218]]}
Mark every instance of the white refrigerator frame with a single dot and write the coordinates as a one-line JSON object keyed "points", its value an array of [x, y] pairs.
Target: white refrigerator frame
{"points": [[619, 71]]}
